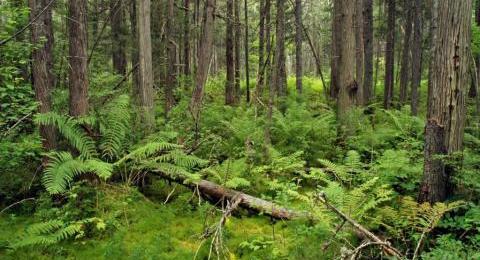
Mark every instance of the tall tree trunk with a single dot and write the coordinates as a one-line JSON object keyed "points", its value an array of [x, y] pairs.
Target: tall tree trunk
{"points": [[236, 42], [447, 89], [280, 75], [417, 54], [405, 66], [145, 90], [261, 52], [49, 44], [390, 55], [359, 47], [186, 40], [229, 48], [78, 74], [172, 58], [368, 51], [41, 75], [336, 41], [346, 64], [298, 45], [204, 56], [247, 64], [134, 51], [119, 55]]}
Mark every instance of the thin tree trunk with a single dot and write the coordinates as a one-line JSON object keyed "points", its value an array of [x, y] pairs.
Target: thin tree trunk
{"points": [[298, 45], [236, 42], [346, 64], [230, 61], [368, 51], [186, 40], [390, 56], [119, 56], [172, 57], [247, 64], [261, 53], [134, 51], [41, 75], [417, 55], [336, 41], [280, 75], [405, 66], [449, 68], [145, 88], [360, 50], [78, 74]]}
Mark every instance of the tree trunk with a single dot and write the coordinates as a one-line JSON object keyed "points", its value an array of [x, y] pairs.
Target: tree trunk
{"points": [[261, 53], [368, 51], [186, 40], [236, 42], [390, 56], [204, 56], [134, 50], [298, 45], [447, 89], [336, 41], [417, 55], [78, 73], [229, 48], [359, 47], [119, 56], [346, 64], [172, 58], [247, 64], [280, 75], [145, 90], [405, 66], [41, 74]]}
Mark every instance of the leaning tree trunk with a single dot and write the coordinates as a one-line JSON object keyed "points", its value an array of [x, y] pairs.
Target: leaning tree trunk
{"points": [[390, 56], [41, 75], [298, 45], [229, 56], [447, 89], [346, 61], [417, 55], [368, 49], [78, 71], [145, 90], [119, 56], [405, 66]]}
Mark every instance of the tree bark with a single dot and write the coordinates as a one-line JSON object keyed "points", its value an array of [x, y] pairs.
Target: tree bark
{"points": [[145, 90], [298, 46], [134, 51], [119, 56], [247, 63], [78, 73], [417, 55], [405, 66], [41, 73], [280, 74], [172, 59], [346, 64], [447, 89], [368, 48], [186, 40], [359, 50], [336, 41], [230, 61], [390, 55], [204, 56], [261, 53]]}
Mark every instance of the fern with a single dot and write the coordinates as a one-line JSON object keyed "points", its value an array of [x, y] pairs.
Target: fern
{"points": [[147, 151], [72, 130], [63, 168]]}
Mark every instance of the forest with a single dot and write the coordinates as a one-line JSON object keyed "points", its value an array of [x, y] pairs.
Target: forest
{"points": [[240, 129]]}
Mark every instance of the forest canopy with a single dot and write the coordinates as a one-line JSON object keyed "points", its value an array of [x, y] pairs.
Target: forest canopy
{"points": [[239, 129]]}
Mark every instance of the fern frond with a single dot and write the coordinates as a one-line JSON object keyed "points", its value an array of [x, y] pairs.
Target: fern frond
{"points": [[71, 129], [147, 151], [63, 168]]}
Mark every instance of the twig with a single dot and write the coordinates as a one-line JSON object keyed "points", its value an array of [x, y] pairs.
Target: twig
{"points": [[16, 203], [3, 42], [170, 194], [16, 124], [363, 246], [417, 248]]}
